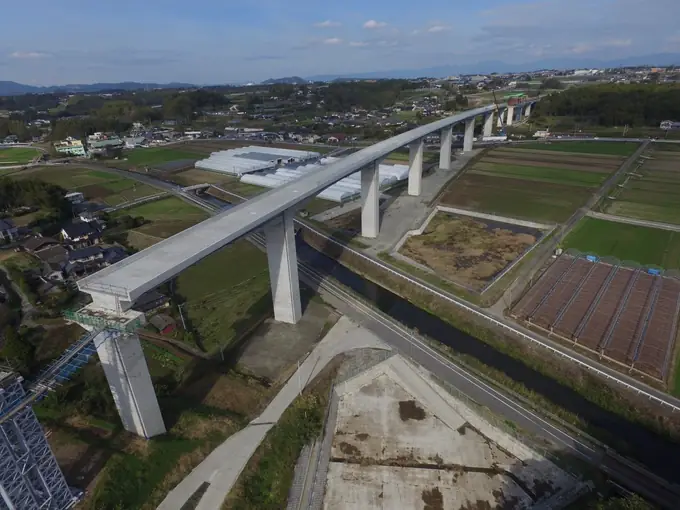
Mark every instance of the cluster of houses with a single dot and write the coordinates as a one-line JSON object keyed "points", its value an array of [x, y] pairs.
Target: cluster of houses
{"points": [[76, 252]]}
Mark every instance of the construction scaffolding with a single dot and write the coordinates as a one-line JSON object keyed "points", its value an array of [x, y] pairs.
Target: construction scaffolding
{"points": [[30, 478]]}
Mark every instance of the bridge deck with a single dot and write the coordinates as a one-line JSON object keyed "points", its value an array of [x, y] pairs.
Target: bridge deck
{"points": [[145, 270]]}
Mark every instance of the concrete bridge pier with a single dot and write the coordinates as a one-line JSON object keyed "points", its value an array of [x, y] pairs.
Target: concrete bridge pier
{"points": [[283, 269], [446, 139], [511, 115], [469, 134], [415, 172], [488, 124], [370, 200], [501, 113], [527, 110], [128, 376]]}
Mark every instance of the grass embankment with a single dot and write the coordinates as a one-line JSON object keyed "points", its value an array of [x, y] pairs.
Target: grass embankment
{"points": [[17, 156], [225, 294], [647, 246], [165, 218], [266, 479], [564, 377], [97, 185], [578, 147]]}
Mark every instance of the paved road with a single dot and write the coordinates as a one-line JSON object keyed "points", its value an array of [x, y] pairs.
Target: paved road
{"points": [[634, 221], [223, 466]]}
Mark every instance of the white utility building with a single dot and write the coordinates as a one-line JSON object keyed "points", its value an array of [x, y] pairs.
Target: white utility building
{"points": [[252, 159], [345, 189]]}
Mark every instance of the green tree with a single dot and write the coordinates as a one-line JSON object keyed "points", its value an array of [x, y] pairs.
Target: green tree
{"points": [[633, 502], [552, 83], [16, 350]]}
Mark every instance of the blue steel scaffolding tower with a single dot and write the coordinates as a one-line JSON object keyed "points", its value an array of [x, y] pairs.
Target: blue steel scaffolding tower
{"points": [[30, 478]]}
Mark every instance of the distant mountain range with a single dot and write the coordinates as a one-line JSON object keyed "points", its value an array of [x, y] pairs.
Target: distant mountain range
{"points": [[661, 59], [11, 88], [291, 80]]}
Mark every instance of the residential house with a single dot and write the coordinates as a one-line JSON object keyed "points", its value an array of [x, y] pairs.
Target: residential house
{"points": [[87, 254], [38, 243], [151, 300], [81, 234], [75, 197], [70, 147], [8, 231]]}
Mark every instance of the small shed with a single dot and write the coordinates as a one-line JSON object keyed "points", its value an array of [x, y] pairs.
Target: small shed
{"points": [[163, 323]]}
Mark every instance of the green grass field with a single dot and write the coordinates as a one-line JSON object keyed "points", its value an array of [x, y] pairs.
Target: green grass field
{"points": [[541, 174], [98, 185], [609, 148], [645, 245], [167, 217], [156, 155], [17, 156]]}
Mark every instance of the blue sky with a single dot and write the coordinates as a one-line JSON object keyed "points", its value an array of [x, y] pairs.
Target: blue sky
{"points": [[220, 41]]}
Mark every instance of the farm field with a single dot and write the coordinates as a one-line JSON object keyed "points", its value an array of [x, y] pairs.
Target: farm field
{"points": [[611, 148], [17, 156], [468, 251], [155, 155], [528, 183], [653, 191], [644, 245], [167, 217], [578, 299], [99, 186]]}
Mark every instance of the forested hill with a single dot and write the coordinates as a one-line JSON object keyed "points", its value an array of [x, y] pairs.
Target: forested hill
{"points": [[615, 105]]}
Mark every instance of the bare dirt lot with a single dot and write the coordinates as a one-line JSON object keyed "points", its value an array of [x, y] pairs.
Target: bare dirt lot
{"points": [[467, 250]]}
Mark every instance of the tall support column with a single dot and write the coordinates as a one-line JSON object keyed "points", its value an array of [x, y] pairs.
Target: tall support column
{"points": [[370, 200], [488, 124], [446, 139], [501, 113], [415, 171], [125, 368], [283, 269], [527, 110], [511, 114], [469, 134]]}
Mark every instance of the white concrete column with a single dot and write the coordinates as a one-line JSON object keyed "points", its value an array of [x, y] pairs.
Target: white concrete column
{"points": [[469, 134], [283, 268], [527, 110], [446, 139], [511, 114], [488, 124], [370, 200], [125, 368], [415, 171], [501, 113]]}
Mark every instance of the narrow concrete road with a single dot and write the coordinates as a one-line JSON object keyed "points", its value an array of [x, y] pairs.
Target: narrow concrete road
{"points": [[223, 466], [634, 221]]}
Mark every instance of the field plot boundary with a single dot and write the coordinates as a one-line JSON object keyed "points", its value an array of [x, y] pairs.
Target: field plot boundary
{"points": [[620, 313], [545, 228], [634, 221]]}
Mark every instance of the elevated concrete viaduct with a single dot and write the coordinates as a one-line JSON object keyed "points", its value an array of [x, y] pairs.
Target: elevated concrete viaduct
{"points": [[115, 289]]}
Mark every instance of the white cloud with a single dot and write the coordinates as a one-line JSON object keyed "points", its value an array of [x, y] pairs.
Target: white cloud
{"points": [[358, 44], [388, 44], [437, 28], [581, 48], [371, 24], [332, 40], [327, 24], [28, 54]]}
